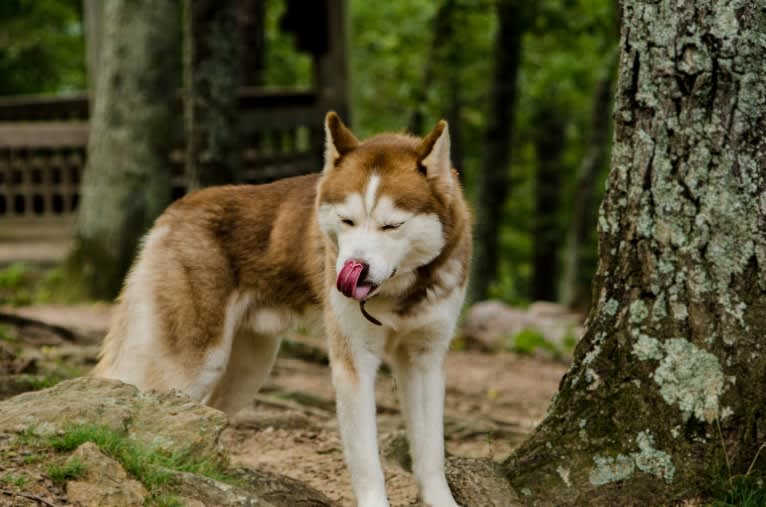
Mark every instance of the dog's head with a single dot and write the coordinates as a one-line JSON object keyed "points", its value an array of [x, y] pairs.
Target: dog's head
{"points": [[383, 205]]}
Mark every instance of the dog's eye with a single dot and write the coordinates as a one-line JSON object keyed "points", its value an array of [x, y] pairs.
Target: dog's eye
{"points": [[391, 227], [347, 221]]}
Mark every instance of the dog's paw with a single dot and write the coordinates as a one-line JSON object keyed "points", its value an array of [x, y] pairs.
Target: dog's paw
{"points": [[375, 501], [440, 499]]}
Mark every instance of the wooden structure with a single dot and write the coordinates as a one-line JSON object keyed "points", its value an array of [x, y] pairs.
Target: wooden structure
{"points": [[43, 141]]}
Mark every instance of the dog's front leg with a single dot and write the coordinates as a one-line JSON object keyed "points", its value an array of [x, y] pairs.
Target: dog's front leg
{"points": [[353, 373], [419, 372]]}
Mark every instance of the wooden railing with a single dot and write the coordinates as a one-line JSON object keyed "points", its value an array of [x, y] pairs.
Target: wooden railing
{"points": [[43, 147], [43, 143]]}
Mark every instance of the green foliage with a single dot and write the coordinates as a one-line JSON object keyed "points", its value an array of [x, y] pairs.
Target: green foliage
{"points": [[565, 51], [396, 69], [529, 340], [41, 46], [71, 469], [285, 66]]}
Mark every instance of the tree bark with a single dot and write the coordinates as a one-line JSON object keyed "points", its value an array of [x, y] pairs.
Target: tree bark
{"points": [[127, 179], [252, 41], [445, 52], [667, 388], [93, 11], [573, 292], [211, 92], [549, 148], [493, 180]]}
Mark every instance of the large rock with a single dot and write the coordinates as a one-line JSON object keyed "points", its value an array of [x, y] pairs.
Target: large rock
{"points": [[490, 325], [104, 482], [170, 421]]}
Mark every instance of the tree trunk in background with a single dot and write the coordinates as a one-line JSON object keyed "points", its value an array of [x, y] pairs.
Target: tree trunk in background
{"points": [[445, 52], [667, 387], [211, 92], [252, 42], [126, 183], [493, 179], [93, 11], [549, 148], [574, 292], [442, 53]]}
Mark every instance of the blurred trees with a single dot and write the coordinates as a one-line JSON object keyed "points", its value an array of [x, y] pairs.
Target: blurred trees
{"points": [[412, 63], [568, 50], [493, 178], [41, 46]]}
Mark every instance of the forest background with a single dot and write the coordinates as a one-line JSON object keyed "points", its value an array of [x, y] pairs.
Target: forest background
{"points": [[414, 62]]}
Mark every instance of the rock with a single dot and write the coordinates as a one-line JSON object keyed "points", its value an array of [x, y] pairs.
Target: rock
{"points": [[396, 449], [208, 491], [479, 483], [491, 325], [170, 421], [104, 482], [281, 491]]}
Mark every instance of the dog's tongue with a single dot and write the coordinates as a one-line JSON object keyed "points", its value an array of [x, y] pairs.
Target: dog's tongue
{"points": [[348, 280]]}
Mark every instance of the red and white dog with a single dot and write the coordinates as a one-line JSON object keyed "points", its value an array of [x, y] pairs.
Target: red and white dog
{"points": [[380, 240]]}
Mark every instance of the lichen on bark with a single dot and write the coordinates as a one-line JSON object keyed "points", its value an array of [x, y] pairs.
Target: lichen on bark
{"points": [[673, 349]]}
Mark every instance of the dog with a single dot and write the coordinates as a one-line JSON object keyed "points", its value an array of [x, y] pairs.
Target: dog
{"points": [[380, 241]]}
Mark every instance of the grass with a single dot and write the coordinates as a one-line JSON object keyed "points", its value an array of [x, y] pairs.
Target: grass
{"points": [[17, 480], [150, 466], [742, 491], [60, 473], [23, 284], [737, 490]]}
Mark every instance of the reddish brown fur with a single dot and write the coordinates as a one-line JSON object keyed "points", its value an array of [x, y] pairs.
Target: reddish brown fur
{"points": [[264, 240]]}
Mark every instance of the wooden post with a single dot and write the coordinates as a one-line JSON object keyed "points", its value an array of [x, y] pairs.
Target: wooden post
{"points": [[211, 91], [331, 68], [331, 72]]}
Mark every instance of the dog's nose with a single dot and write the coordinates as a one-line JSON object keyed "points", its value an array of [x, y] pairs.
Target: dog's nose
{"points": [[365, 268]]}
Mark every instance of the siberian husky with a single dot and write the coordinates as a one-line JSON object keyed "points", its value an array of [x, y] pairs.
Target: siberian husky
{"points": [[380, 241]]}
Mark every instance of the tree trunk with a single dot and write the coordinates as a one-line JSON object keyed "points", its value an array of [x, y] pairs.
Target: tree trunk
{"points": [[573, 292], [445, 52], [549, 148], [93, 11], [442, 35], [493, 180], [667, 388], [127, 179], [211, 92], [252, 41]]}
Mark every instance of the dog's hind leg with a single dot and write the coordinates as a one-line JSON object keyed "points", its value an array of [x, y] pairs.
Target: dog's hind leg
{"points": [[253, 353], [252, 357]]}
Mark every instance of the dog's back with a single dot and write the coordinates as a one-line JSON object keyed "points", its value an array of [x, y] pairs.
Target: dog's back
{"points": [[213, 260]]}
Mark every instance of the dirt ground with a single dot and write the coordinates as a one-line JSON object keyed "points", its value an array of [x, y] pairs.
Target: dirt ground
{"points": [[492, 402]]}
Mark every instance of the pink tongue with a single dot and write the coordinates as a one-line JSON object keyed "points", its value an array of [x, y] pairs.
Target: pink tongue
{"points": [[348, 278]]}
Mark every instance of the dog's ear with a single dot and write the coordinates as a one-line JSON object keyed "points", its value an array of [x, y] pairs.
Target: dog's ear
{"points": [[339, 139], [433, 153]]}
